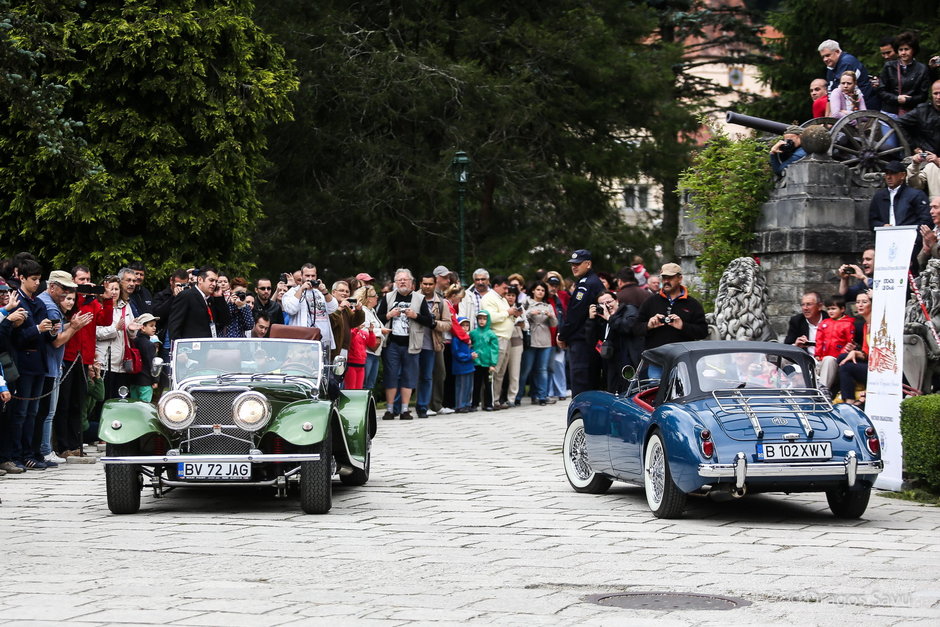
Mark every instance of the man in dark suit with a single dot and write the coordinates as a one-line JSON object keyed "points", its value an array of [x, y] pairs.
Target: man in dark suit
{"points": [[200, 311], [898, 204], [801, 331]]}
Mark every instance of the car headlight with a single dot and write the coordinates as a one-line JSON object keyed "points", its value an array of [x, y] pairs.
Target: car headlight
{"points": [[177, 409], [251, 411]]}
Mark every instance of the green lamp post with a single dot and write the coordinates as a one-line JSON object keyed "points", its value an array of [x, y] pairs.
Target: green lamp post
{"points": [[460, 167]]}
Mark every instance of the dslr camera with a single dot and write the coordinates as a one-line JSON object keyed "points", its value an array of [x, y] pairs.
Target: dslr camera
{"points": [[89, 289]]}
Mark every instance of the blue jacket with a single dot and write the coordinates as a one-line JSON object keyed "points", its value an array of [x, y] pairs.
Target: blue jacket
{"points": [[461, 357], [848, 63], [779, 166]]}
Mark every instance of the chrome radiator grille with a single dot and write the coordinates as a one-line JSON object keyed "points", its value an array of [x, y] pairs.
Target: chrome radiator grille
{"points": [[215, 408]]}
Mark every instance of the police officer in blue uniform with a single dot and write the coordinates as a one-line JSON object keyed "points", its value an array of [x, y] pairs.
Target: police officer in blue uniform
{"points": [[583, 359]]}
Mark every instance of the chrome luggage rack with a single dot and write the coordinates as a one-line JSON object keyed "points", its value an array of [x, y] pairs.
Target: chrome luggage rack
{"points": [[757, 402]]}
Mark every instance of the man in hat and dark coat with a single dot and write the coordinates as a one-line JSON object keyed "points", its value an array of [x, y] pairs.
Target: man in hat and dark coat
{"points": [[897, 204], [583, 359]]}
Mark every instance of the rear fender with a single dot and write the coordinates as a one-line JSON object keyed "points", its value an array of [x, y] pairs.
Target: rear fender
{"points": [[680, 431], [124, 421], [358, 424]]}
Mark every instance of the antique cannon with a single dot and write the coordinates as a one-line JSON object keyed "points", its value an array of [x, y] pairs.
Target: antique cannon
{"points": [[864, 140]]}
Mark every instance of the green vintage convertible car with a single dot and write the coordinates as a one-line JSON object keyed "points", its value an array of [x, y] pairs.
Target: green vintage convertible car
{"points": [[241, 412]]}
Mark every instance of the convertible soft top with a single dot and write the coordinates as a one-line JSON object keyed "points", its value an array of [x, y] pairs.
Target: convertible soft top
{"points": [[667, 354]]}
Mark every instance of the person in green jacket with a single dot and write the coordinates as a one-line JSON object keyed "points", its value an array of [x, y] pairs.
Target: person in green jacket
{"points": [[486, 346]]}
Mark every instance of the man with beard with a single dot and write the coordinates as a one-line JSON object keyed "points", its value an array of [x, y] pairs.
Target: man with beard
{"points": [[407, 314], [264, 301]]}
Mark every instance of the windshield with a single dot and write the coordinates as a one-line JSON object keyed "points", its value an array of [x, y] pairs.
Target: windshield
{"points": [[205, 357], [729, 371]]}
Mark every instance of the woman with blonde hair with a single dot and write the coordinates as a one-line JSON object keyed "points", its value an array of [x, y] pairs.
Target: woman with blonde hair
{"points": [[368, 297]]}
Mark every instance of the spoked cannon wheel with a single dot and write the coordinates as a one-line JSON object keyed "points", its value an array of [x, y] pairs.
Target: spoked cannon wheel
{"points": [[865, 141]]}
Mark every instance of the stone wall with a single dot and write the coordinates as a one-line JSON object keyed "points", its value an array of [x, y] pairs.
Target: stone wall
{"points": [[816, 220]]}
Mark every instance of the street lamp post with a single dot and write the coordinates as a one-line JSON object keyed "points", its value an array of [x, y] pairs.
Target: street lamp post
{"points": [[460, 167]]}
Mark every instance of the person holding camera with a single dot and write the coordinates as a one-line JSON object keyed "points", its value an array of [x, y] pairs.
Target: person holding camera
{"points": [[240, 311], [787, 151], [671, 315], [309, 304], [348, 316], [853, 280], [199, 312]]}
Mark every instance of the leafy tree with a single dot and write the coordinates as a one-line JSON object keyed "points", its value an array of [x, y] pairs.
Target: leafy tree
{"points": [[175, 97], [728, 182], [550, 99], [704, 33]]}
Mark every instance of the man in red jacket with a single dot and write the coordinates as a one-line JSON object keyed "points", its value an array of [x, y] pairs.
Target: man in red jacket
{"points": [[81, 348]]}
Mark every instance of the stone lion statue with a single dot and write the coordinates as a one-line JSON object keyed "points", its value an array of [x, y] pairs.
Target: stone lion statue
{"points": [[740, 306], [915, 323]]}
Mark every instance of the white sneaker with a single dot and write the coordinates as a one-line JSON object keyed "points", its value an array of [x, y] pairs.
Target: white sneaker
{"points": [[52, 457], [445, 411], [431, 412]]}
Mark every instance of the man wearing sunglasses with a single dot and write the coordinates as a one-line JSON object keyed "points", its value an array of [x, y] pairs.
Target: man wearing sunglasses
{"points": [[265, 303]]}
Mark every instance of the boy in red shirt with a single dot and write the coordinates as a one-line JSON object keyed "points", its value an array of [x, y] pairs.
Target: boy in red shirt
{"points": [[833, 338]]}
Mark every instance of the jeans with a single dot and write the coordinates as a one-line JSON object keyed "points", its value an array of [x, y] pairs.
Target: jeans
{"points": [[541, 357], [559, 378], [426, 360], [18, 431], [42, 430], [372, 371], [525, 369], [464, 390]]}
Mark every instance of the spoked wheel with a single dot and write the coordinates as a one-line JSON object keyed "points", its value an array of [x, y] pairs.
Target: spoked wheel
{"points": [[866, 141], [577, 467], [123, 481], [827, 122], [316, 478], [664, 498], [846, 503]]}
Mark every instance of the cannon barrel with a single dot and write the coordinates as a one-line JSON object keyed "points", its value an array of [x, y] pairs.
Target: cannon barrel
{"points": [[768, 126]]}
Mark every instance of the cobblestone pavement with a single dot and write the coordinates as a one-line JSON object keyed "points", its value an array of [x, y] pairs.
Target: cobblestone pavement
{"points": [[465, 519]]}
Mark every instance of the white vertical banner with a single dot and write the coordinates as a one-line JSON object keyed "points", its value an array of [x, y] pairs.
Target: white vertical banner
{"points": [[893, 246]]}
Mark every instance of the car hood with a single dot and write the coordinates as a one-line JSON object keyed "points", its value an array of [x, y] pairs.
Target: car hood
{"points": [[736, 415]]}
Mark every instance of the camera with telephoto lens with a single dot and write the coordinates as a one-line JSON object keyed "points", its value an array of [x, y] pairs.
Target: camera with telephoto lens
{"points": [[241, 295]]}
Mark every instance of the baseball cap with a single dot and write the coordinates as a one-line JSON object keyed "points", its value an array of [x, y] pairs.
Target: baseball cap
{"points": [[441, 271], [793, 129], [582, 254], [3, 286], [671, 269], [364, 276], [63, 278]]}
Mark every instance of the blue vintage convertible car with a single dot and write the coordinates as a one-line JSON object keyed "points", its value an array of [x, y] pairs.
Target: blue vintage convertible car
{"points": [[727, 418]]}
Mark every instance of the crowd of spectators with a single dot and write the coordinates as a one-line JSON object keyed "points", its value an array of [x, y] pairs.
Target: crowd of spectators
{"points": [[69, 342]]}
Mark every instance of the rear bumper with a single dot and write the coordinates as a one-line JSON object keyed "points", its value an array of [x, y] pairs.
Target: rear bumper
{"points": [[262, 458], [848, 467]]}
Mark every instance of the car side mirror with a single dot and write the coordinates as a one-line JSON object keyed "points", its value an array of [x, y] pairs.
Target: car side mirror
{"points": [[339, 365], [628, 372], [156, 366]]}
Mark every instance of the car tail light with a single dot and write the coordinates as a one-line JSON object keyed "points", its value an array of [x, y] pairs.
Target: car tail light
{"points": [[708, 447], [874, 444]]}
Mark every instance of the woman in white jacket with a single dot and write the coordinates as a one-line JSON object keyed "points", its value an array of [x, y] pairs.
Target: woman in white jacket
{"points": [[109, 348]]}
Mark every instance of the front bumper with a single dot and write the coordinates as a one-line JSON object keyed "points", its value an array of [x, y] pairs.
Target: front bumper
{"points": [[262, 458], [848, 467]]}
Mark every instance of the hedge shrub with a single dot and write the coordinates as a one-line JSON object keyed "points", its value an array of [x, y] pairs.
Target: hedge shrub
{"points": [[920, 430]]}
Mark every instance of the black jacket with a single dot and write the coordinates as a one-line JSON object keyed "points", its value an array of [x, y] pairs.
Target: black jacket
{"points": [[586, 291], [189, 315], [694, 325], [798, 327], [922, 127], [148, 351], [915, 82]]}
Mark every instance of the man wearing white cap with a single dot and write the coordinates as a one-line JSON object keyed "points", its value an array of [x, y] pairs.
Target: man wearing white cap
{"points": [[58, 298], [671, 315]]}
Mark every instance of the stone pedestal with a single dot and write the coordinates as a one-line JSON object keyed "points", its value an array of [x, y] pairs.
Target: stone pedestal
{"points": [[816, 220]]}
